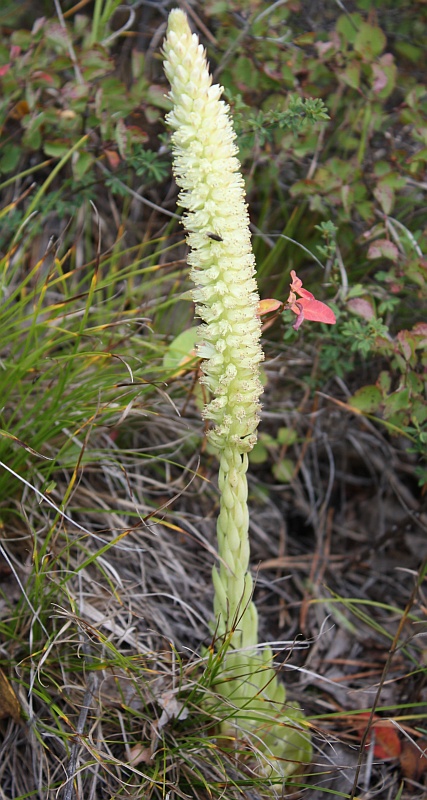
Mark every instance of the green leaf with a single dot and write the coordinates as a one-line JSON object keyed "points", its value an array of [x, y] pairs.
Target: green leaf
{"points": [[370, 41], [10, 156], [415, 384], [384, 382], [181, 351], [304, 39], [32, 137], [351, 75], [367, 399], [268, 440], [22, 39], [284, 470], [303, 187], [121, 137], [421, 155], [82, 164], [348, 26], [57, 148], [419, 412], [57, 36], [385, 196], [95, 63], [397, 401], [245, 73], [287, 436], [409, 51], [407, 344], [259, 454]]}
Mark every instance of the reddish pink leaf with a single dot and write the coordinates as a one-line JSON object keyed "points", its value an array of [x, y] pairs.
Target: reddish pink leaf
{"points": [[323, 47], [299, 319], [406, 340], [361, 307], [380, 78], [113, 158], [4, 69], [137, 134], [306, 306], [314, 310], [38, 74], [382, 248], [296, 282], [420, 329], [305, 293]]}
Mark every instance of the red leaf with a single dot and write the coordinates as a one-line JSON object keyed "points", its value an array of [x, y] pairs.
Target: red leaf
{"points": [[305, 293], [42, 76], [413, 759], [387, 742], [314, 310], [383, 732], [306, 306]]}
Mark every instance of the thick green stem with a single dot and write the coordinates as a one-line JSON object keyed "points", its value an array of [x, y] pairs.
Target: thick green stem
{"points": [[233, 606]]}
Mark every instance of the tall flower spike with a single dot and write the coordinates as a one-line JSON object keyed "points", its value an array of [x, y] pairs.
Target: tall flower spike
{"points": [[212, 191], [223, 266]]}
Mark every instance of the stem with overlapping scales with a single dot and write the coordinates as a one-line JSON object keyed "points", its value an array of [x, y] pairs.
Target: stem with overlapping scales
{"points": [[216, 220]]}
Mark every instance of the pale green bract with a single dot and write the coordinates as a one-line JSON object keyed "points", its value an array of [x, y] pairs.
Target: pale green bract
{"points": [[223, 267]]}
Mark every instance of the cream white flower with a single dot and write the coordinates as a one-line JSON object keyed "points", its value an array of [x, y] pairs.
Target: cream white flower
{"points": [[217, 221]]}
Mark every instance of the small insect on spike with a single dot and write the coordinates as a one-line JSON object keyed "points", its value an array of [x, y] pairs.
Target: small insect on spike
{"points": [[215, 236]]}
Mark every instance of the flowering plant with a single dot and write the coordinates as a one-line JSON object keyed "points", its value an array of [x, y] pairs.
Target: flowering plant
{"points": [[223, 266]]}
